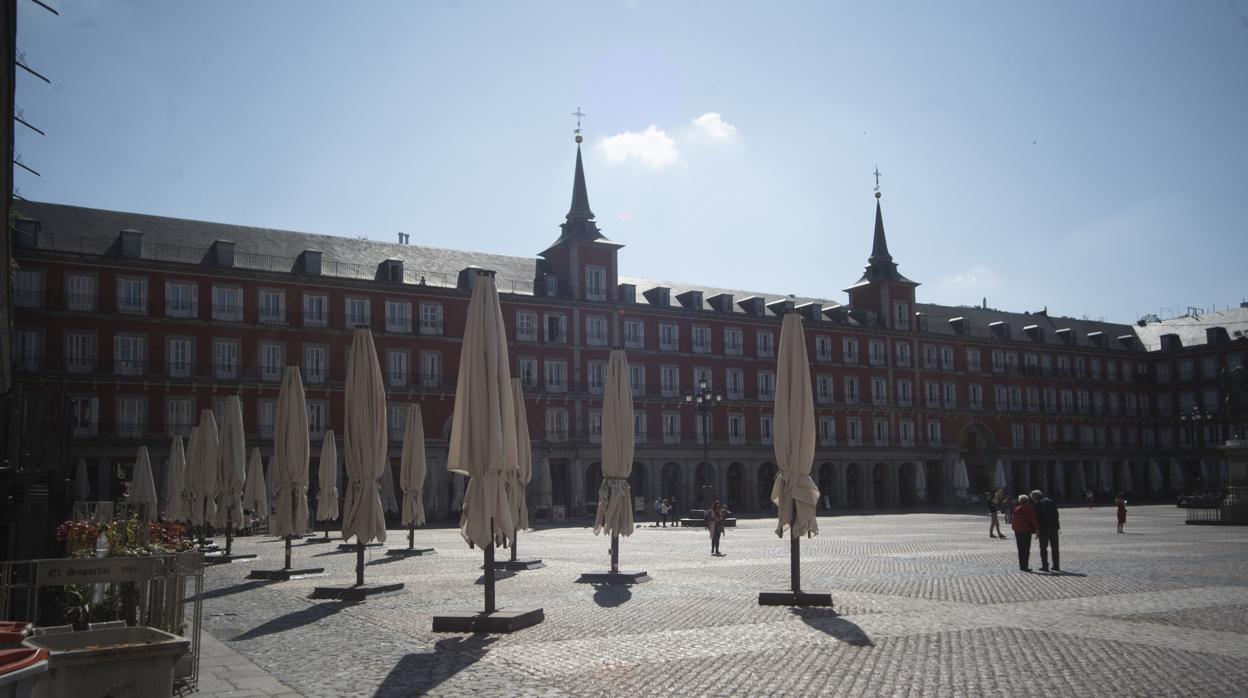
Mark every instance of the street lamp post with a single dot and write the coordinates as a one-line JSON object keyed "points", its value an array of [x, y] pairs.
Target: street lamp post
{"points": [[704, 402]]}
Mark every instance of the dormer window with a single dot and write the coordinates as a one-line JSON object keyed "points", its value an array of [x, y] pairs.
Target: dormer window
{"points": [[595, 283], [658, 296], [626, 293]]}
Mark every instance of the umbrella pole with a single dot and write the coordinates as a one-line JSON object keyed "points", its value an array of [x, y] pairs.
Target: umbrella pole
{"points": [[411, 535], [359, 562], [513, 543], [795, 553], [229, 529], [489, 571], [615, 553], [287, 553]]}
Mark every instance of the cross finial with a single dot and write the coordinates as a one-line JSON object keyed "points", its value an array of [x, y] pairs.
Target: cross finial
{"points": [[578, 114], [877, 177]]}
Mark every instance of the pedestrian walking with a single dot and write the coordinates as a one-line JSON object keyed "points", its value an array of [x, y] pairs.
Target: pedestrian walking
{"points": [[658, 510], [994, 509], [664, 508], [715, 524], [1090, 498], [1046, 519], [1024, 525], [1121, 503]]}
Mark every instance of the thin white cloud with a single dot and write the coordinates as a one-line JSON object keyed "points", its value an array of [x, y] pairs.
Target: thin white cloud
{"points": [[978, 276], [651, 148], [714, 128]]}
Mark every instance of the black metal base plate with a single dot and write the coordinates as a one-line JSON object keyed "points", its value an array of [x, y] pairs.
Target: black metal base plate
{"points": [[223, 559], [409, 552], [353, 546], [517, 565], [313, 540], [353, 593], [285, 575], [614, 578], [787, 597], [500, 621]]}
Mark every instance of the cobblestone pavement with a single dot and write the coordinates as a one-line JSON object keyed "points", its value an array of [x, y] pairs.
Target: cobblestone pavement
{"points": [[926, 604]]}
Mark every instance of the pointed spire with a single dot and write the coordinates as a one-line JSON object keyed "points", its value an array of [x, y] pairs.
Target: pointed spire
{"points": [[580, 195], [879, 246]]}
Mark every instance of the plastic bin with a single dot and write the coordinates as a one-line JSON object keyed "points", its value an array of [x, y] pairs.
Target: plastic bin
{"points": [[135, 662], [20, 670], [12, 633]]}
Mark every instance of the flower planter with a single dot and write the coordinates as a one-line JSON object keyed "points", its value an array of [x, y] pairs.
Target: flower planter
{"points": [[12, 633], [137, 661], [20, 670]]}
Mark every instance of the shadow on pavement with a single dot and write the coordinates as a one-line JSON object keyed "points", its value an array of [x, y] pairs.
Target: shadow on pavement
{"points": [[233, 589], [609, 595], [1065, 574], [499, 575], [827, 621], [418, 674], [305, 616]]}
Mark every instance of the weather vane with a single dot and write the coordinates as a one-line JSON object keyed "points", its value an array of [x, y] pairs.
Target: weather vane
{"points": [[578, 114]]}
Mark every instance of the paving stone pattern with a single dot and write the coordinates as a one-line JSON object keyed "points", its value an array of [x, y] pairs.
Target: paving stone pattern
{"points": [[926, 604]]}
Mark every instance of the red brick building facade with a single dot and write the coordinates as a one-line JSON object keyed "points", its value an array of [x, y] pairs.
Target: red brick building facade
{"points": [[127, 325]]}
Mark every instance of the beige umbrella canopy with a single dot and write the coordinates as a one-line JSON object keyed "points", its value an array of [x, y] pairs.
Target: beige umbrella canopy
{"points": [[615, 500], [365, 441], [291, 449], [794, 434], [143, 487], [518, 482], [272, 481], [483, 428], [327, 477], [389, 502], [204, 473], [232, 467], [177, 508], [256, 495], [412, 469]]}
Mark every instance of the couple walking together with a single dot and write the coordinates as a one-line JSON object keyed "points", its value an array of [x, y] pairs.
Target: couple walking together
{"points": [[1036, 514]]}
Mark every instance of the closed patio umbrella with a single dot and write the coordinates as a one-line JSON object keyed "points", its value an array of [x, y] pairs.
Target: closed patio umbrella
{"points": [[256, 495], [794, 492], [177, 507], [389, 501], [327, 481], [272, 482], [365, 443], [82, 485], [232, 469], [204, 510], [998, 477], [1176, 476], [1154, 476], [961, 483], [143, 487], [920, 483], [517, 483], [483, 438], [1205, 475], [412, 472], [546, 498]]}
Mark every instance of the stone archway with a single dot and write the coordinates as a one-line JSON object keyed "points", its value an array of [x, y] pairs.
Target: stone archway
{"points": [[765, 478], [735, 495], [637, 484], [977, 447], [855, 490], [671, 481], [703, 485], [907, 490], [880, 481], [935, 482], [827, 486]]}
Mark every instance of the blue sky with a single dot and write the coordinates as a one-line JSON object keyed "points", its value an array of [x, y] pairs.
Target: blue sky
{"points": [[1087, 157]]}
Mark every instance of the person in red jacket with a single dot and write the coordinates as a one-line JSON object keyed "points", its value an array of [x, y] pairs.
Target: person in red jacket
{"points": [[1024, 525]]}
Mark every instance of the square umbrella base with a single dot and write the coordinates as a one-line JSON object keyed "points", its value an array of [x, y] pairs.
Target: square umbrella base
{"points": [[353, 593], [500, 621], [312, 540], [285, 575], [614, 578], [517, 565], [350, 547], [409, 552], [224, 559], [788, 597]]}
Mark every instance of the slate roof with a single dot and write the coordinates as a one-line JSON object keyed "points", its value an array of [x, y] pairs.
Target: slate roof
{"points": [[1192, 328], [267, 248], [176, 239]]}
